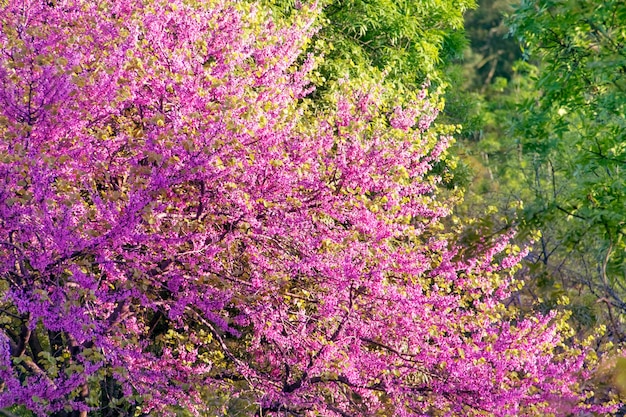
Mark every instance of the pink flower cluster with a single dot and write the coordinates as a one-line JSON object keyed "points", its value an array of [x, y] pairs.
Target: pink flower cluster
{"points": [[174, 228]]}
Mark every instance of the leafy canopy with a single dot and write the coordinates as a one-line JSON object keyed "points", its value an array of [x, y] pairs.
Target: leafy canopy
{"points": [[574, 129], [410, 40]]}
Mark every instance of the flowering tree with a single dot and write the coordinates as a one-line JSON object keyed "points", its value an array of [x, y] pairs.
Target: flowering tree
{"points": [[177, 225]]}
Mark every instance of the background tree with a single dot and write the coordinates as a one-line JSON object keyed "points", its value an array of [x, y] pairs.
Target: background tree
{"points": [[530, 138], [573, 130], [412, 41]]}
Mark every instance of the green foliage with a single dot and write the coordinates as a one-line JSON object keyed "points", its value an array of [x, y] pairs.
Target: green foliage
{"points": [[574, 131], [489, 82], [524, 160], [410, 40]]}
